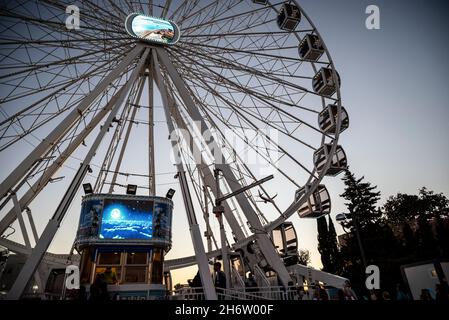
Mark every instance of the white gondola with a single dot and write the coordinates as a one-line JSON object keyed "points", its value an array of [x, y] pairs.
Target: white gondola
{"points": [[339, 161], [317, 205], [311, 48], [285, 241], [327, 119], [289, 17], [323, 82], [260, 1]]}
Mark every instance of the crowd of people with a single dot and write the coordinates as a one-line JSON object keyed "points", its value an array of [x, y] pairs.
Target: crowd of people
{"points": [[320, 293]]}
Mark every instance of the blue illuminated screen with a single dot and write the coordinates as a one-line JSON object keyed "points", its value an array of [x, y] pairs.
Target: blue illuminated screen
{"points": [[127, 219]]}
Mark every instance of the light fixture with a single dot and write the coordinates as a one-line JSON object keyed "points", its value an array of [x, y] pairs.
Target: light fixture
{"points": [[131, 189], [170, 193], [88, 188]]}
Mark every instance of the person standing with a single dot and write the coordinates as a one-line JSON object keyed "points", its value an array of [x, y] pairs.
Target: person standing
{"points": [[349, 292], [219, 278], [251, 284], [441, 294]]}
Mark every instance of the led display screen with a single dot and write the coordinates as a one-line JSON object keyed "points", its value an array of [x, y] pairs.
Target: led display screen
{"points": [[152, 29], [162, 221], [88, 224], [127, 219]]}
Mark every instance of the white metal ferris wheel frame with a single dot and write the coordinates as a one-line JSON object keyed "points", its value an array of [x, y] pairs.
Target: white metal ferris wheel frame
{"points": [[150, 57]]}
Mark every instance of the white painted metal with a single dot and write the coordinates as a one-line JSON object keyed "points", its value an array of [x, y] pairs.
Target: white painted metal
{"points": [[263, 240], [64, 126], [151, 163], [53, 225], [39, 185], [195, 232], [206, 173], [125, 141]]}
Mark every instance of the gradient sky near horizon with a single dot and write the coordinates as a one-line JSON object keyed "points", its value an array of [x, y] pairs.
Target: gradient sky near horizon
{"points": [[395, 87]]}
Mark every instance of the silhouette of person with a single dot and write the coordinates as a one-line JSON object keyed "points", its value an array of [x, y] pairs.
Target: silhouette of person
{"points": [[251, 283], [197, 285], [220, 277], [99, 289]]}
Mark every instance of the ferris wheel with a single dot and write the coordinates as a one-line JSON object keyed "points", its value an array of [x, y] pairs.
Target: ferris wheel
{"points": [[234, 77]]}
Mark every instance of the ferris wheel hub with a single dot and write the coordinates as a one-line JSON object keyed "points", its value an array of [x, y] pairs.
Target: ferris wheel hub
{"points": [[152, 29]]}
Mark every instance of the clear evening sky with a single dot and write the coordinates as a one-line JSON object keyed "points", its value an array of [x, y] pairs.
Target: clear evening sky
{"points": [[395, 88]]}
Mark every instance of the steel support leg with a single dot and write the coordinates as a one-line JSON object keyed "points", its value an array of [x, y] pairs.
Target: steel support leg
{"points": [[195, 232]]}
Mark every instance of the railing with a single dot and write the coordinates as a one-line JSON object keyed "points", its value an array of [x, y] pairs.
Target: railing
{"points": [[256, 293], [236, 279]]}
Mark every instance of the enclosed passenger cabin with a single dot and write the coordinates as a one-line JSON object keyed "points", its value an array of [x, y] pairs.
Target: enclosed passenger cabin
{"points": [[123, 240], [323, 82], [327, 119], [311, 48], [289, 17], [317, 205], [260, 1], [285, 241], [339, 161]]}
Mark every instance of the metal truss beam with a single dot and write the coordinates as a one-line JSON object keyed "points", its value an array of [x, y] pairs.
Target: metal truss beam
{"points": [[60, 130], [195, 233]]}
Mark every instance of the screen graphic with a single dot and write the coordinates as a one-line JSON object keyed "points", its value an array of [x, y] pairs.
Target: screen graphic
{"points": [[152, 29], [127, 219], [88, 224], [162, 221]]}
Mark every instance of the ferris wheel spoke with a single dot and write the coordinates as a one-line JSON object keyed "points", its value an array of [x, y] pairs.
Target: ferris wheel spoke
{"points": [[245, 16], [63, 62], [261, 97], [216, 9], [222, 137], [55, 25], [37, 122], [117, 137], [106, 13], [266, 74], [244, 52], [87, 17], [98, 71], [233, 64], [251, 124], [210, 114], [183, 9]]}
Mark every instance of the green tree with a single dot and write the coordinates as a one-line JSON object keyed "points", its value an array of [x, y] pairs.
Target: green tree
{"points": [[426, 209], [426, 205], [334, 252], [408, 240], [402, 208], [328, 246], [426, 244], [361, 200], [442, 236], [323, 243]]}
